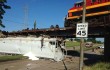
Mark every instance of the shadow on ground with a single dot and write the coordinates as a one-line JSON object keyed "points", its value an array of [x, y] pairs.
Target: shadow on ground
{"points": [[89, 58], [92, 59]]}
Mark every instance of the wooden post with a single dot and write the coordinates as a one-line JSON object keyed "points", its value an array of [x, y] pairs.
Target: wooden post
{"points": [[82, 39]]}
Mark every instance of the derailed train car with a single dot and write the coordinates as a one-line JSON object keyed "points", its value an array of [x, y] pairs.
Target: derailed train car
{"points": [[33, 47], [97, 13]]}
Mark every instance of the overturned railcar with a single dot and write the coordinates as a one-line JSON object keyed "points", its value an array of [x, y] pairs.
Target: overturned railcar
{"points": [[39, 47]]}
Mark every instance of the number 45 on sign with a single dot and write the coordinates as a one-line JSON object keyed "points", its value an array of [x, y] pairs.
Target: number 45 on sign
{"points": [[82, 30]]}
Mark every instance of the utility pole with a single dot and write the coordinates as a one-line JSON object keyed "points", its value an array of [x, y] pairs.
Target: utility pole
{"points": [[35, 25], [25, 16], [82, 39]]}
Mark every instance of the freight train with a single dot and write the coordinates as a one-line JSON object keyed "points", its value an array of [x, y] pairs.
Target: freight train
{"points": [[97, 13]]}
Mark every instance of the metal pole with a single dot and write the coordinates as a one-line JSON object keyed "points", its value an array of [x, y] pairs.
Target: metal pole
{"points": [[82, 39]]}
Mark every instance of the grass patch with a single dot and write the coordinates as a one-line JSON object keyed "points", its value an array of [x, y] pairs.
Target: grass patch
{"points": [[72, 44], [99, 66], [10, 58], [77, 44]]}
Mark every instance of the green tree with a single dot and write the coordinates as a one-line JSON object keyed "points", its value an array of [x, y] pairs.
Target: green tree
{"points": [[71, 39], [91, 40], [77, 39], [2, 11], [99, 42]]}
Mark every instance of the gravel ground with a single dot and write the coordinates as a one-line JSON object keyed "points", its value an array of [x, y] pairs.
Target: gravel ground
{"points": [[42, 64], [71, 62]]}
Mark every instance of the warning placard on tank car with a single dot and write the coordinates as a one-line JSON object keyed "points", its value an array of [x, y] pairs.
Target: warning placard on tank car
{"points": [[82, 30]]}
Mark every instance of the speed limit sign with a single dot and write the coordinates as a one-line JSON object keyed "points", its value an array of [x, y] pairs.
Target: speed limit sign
{"points": [[82, 30]]}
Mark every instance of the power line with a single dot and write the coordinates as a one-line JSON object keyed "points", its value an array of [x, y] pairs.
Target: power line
{"points": [[18, 23]]}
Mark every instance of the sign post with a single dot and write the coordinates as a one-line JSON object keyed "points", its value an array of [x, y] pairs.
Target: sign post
{"points": [[81, 34]]}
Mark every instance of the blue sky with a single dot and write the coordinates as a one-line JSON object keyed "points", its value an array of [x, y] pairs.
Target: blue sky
{"points": [[45, 12]]}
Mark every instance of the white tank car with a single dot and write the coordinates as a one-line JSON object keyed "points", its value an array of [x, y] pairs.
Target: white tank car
{"points": [[33, 47]]}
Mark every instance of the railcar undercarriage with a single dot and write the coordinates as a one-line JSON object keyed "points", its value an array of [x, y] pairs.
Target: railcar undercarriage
{"points": [[100, 20]]}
